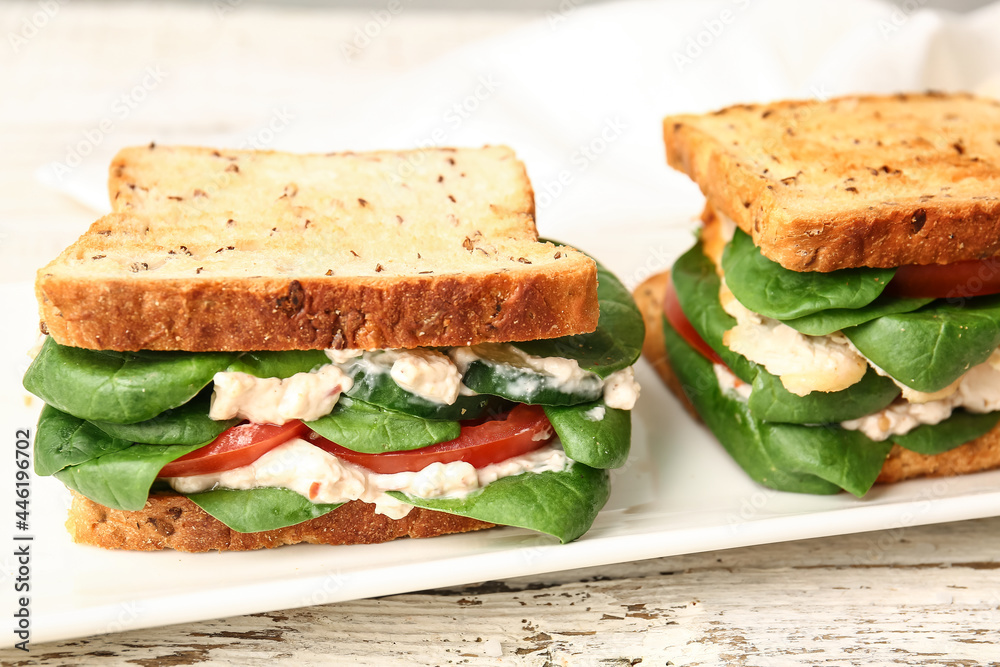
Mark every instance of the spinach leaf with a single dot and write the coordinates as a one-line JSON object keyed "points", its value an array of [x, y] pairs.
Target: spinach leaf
{"points": [[563, 504], [930, 348], [768, 288], [121, 479], [770, 401], [63, 440], [828, 321], [254, 510], [188, 424], [375, 386], [602, 443], [120, 387], [786, 457], [697, 285], [370, 429], [617, 342], [958, 429], [278, 364], [500, 377]]}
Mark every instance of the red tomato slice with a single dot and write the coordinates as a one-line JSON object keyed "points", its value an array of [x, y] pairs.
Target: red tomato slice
{"points": [[974, 277], [237, 446], [524, 429], [679, 321]]}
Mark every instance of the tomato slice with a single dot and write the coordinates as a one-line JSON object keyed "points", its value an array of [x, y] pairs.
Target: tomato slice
{"points": [[522, 430], [682, 325], [237, 446], [974, 277]]}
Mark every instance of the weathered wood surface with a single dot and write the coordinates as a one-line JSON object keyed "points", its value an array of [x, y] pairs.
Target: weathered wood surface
{"points": [[916, 596]]}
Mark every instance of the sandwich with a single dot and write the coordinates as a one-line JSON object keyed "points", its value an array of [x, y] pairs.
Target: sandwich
{"points": [[257, 348], [837, 322]]}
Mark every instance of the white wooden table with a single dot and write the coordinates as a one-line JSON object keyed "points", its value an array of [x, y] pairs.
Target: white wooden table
{"points": [[919, 595]]}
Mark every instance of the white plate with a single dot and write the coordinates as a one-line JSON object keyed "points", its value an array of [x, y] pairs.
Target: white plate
{"points": [[679, 493]]}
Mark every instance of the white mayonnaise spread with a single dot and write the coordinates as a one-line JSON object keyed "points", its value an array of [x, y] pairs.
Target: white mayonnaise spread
{"points": [[730, 385], [278, 400], [978, 390], [621, 391], [804, 363], [425, 372], [323, 478], [566, 374], [342, 356]]}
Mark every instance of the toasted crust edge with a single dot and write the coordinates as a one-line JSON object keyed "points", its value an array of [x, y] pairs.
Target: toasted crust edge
{"points": [[909, 231], [316, 313], [172, 521], [983, 453]]}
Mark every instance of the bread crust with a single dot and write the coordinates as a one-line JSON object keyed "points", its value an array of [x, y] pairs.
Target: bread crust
{"points": [[983, 453], [874, 181], [171, 521], [211, 250], [261, 313]]}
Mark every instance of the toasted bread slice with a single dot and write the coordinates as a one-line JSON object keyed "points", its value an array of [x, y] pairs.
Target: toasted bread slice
{"points": [[242, 250], [853, 181], [171, 521], [983, 453]]}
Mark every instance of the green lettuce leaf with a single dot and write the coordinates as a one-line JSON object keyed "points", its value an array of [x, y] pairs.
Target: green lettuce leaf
{"points": [[786, 457], [63, 440], [617, 342], [120, 387], [829, 321], [958, 429], [930, 348], [122, 479], [603, 443], [766, 287], [279, 364], [255, 510], [188, 424], [370, 429], [697, 286], [563, 504]]}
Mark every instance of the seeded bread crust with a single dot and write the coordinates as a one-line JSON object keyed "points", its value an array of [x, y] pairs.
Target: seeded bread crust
{"points": [[983, 453], [212, 250], [852, 181], [171, 521]]}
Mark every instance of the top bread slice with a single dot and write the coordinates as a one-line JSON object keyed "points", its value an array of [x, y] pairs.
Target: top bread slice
{"points": [[853, 181], [257, 250]]}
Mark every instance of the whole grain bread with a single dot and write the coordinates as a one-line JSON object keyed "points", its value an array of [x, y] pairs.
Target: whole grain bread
{"points": [[259, 250], [852, 181], [171, 521], [983, 453]]}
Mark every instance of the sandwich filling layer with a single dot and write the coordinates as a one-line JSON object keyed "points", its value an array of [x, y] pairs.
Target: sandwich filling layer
{"points": [[877, 371], [518, 433]]}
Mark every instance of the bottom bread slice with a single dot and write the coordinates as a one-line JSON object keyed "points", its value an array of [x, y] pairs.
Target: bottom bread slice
{"points": [[983, 453], [171, 521]]}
